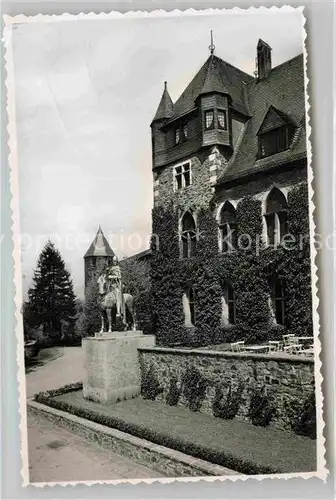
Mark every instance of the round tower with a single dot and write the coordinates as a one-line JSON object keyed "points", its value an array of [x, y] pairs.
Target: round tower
{"points": [[98, 256]]}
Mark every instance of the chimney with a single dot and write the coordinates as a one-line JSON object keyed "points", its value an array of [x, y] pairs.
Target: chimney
{"points": [[264, 59]]}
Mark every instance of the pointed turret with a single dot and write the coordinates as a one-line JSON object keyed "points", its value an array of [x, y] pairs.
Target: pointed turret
{"points": [[213, 81], [165, 108], [100, 247], [98, 256]]}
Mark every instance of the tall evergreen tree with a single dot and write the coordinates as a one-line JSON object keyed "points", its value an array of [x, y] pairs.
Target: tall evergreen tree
{"points": [[52, 299]]}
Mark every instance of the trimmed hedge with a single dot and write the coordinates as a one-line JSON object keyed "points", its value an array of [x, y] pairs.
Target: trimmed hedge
{"points": [[223, 458], [248, 271]]}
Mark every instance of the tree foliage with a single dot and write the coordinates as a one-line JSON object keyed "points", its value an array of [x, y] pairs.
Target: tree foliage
{"points": [[136, 281], [51, 303]]}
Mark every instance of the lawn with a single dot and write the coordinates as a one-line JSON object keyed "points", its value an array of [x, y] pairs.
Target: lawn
{"points": [[237, 445]]}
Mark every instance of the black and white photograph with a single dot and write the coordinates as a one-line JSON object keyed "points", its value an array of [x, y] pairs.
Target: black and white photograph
{"points": [[164, 267]]}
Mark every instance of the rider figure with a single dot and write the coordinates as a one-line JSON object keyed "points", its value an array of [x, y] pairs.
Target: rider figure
{"points": [[113, 278]]}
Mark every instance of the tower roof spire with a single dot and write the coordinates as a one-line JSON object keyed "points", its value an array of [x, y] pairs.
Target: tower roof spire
{"points": [[165, 108], [100, 247], [211, 46]]}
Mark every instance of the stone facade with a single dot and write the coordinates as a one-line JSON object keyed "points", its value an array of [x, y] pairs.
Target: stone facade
{"points": [[226, 164], [285, 379], [204, 170], [94, 266]]}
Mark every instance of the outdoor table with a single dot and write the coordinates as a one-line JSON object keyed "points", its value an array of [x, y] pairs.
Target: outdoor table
{"points": [[256, 348], [305, 338]]}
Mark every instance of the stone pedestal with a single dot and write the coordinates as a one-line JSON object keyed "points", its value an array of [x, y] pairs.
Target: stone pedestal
{"points": [[111, 363]]}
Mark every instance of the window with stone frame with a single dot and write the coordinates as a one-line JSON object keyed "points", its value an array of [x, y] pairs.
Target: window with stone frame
{"points": [[209, 119], [227, 228], [221, 119], [276, 216], [278, 300], [228, 305], [189, 307], [182, 176], [188, 236], [276, 140]]}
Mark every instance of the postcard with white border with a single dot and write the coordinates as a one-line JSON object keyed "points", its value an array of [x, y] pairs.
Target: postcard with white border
{"points": [[165, 276]]}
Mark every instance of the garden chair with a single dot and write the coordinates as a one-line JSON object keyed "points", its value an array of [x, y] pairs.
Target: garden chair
{"points": [[238, 346], [274, 345], [287, 339], [291, 344]]}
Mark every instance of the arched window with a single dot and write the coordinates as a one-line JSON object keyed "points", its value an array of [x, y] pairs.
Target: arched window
{"points": [[228, 305], [278, 300], [276, 216], [227, 228], [188, 235], [188, 301]]}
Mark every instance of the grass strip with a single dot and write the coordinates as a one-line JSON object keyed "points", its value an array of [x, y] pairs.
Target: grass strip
{"points": [[232, 444]]}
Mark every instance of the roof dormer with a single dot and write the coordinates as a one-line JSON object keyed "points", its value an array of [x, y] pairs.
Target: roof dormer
{"points": [[275, 133]]}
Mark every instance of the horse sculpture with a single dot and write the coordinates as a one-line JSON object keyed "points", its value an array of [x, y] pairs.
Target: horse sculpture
{"points": [[110, 297]]}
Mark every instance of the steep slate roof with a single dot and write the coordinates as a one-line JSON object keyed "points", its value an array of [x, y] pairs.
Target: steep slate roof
{"points": [[283, 89], [165, 108], [215, 75], [100, 247]]}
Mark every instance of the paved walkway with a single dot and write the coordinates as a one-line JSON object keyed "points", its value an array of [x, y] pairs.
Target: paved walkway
{"points": [[66, 368], [56, 454]]}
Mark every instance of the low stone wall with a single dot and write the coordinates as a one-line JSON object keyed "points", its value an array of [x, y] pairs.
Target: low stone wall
{"points": [[161, 459], [285, 381]]}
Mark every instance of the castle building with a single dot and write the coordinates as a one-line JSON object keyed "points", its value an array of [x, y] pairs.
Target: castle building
{"points": [[98, 256], [228, 157]]}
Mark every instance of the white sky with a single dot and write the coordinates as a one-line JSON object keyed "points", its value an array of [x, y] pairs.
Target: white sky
{"points": [[86, 92]]}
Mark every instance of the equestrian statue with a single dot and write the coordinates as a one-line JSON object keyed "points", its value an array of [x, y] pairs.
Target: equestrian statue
{"points": [[111, 296]]}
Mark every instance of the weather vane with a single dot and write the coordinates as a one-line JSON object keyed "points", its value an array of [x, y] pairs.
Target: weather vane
{"points": [[211, 46]]}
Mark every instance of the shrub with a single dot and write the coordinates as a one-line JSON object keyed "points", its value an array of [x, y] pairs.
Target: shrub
{"points": [[174, 393], [226, 459], [42, 396], [261, 410], [227, 407], [193, 388], [303, 416], [150, 385]]}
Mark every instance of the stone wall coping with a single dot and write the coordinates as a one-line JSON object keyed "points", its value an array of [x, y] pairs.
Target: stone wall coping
{"points": [[227, 354], [208, 468], [117, 337]]}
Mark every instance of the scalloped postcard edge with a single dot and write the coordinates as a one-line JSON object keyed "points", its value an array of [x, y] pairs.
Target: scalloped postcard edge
{"points": [[10, 21]]}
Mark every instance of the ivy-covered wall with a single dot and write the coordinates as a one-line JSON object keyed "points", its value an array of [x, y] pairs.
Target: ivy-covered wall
{"points": [[248, 270], [260, 389]]}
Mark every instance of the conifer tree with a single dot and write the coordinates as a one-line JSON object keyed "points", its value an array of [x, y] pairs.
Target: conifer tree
{"points": [[51, 298]]}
